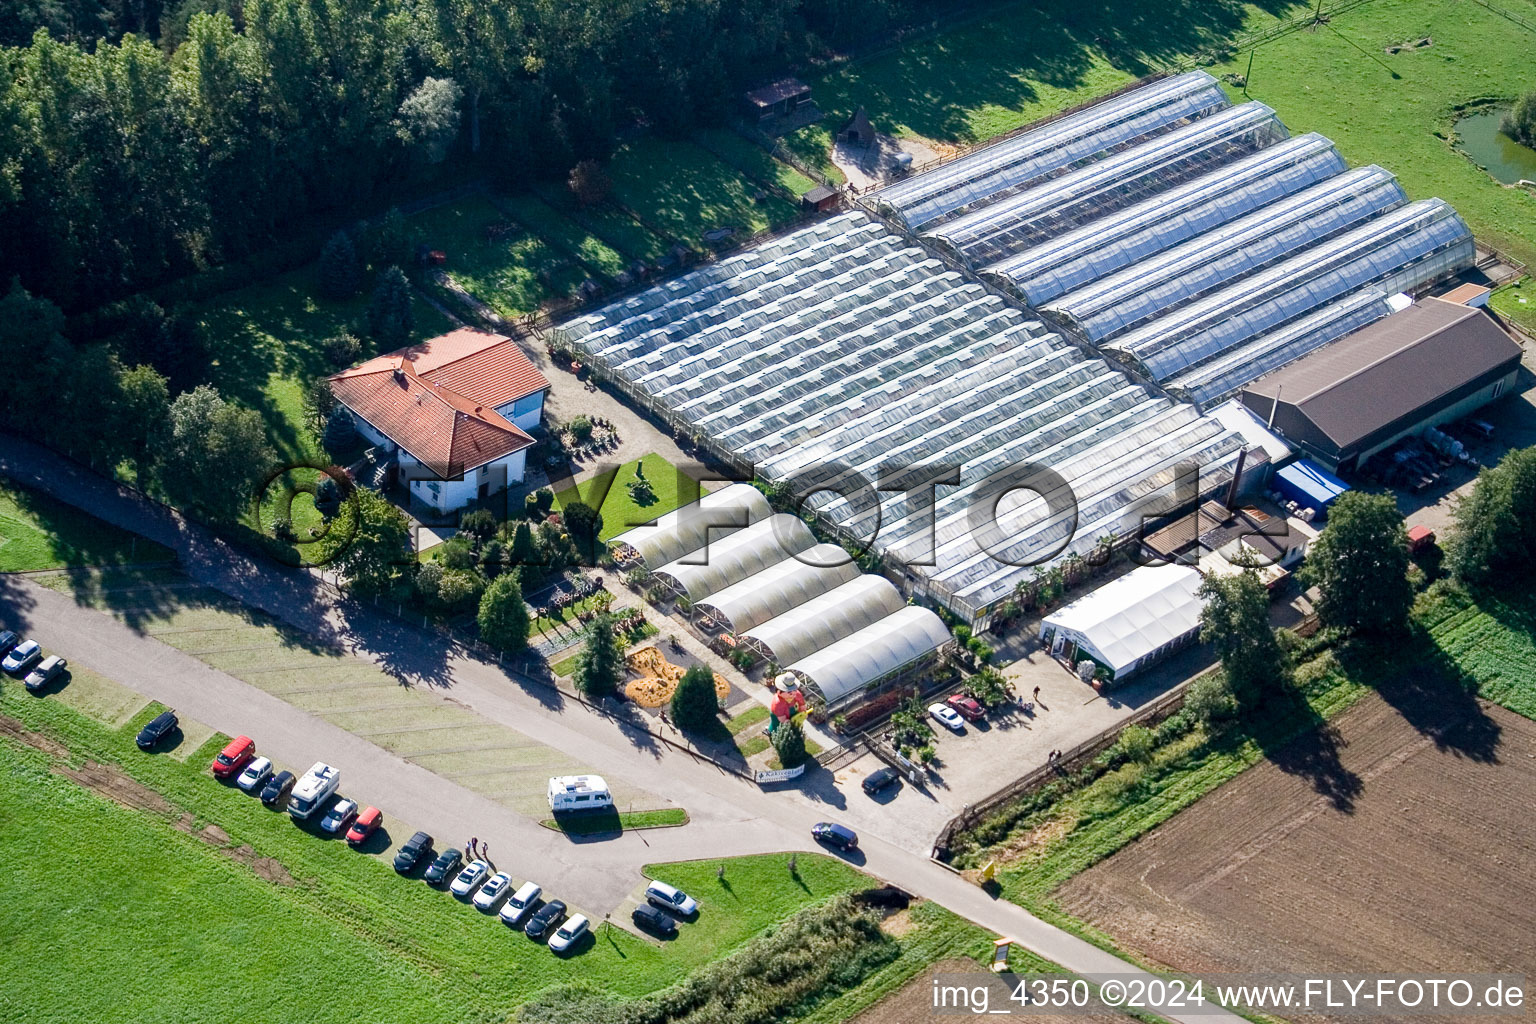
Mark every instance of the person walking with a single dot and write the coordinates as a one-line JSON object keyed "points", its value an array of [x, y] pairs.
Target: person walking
{"points": [[471, 847], [1037, 693]]}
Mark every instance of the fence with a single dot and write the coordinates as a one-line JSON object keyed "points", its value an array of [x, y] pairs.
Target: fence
{"points": [[1155, 711], [1524, 23]]}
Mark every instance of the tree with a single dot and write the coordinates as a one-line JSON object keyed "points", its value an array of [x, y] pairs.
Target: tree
{"points": [[340, 432], [393, 242], [589, 183], [600, 665], [214, 453], [342, 349], [341, 274], [376, 543], [789, 744], [694, 705], [584, 523], [479, 525], [391, 320], [1495, 533], [140, 411], [1235, 621], [1359, 563], [428, 120], [503, 616], [523, 551], [1520, 123]]}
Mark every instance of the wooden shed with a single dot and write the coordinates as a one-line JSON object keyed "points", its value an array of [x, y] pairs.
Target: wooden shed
{"points": [[821, 199]]}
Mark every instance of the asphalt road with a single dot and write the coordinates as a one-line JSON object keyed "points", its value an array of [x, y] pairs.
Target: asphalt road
{"points": [[728, 816]]}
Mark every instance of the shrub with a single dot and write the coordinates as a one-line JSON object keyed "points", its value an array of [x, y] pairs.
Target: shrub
{"points": [[341, 274], [695, 708], [479, 525], [342, 350], [581, 429], [1135, 744], [456, 553], [503, 617], [589, 183], [789, 744]]}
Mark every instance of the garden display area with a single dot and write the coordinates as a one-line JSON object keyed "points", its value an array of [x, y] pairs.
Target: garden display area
{"points": [[624, 506]]}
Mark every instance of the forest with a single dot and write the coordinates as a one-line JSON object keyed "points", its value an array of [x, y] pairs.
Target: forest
{"points": [[143, 142]]}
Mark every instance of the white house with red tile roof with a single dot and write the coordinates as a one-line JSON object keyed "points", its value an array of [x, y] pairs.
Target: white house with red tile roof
{"points": [[457, 410]]}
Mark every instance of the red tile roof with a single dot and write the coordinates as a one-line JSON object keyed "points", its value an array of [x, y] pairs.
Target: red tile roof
{"points": [[438, 399]]}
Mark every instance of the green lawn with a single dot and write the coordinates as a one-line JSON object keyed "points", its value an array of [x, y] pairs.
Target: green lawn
{"points": [[268, 340], [619, 509], [685, 190], [593, 824], [37, 532], [812, 146], [514, 273], [755, 160], [1517, 302], [609, 223], [565, 666], [1397, 110], [159, 924], [553, 226], [751, 716]]}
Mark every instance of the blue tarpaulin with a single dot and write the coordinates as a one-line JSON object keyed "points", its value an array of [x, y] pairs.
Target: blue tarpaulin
{"points": [[1309, 485]]}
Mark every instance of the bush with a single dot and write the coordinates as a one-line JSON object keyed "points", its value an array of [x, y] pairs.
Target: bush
{"points": [[342, 350], [581, 429], [695, 708], [1208, 699], [479, 525], [1135, 744], [341, 274], [340, 432], [503, 618], [789, 744]]}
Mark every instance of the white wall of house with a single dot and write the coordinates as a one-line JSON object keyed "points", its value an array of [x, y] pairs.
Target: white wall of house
{"points": [[448, 495], [367, 430], [527, 412]]}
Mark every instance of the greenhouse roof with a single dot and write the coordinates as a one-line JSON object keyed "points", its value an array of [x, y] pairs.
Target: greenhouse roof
{"points": [[885, 646], [827, 618], [688, 528], [782, 587]]}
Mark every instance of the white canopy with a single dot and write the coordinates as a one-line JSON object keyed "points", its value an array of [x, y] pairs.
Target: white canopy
{"points": [[824, 620], [736, 556], [780, 587], [1126, 621], [873, 652], [687, 529]]}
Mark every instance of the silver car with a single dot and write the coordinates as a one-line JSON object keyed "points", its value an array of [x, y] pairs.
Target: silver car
{"points": [[470, 878], [492, 891]]}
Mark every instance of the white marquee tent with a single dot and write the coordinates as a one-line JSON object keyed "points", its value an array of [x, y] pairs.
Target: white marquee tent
{"points": [[1127, 623]]}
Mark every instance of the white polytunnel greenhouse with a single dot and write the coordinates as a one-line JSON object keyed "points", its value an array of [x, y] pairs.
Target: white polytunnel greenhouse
{"points": [[873, 653], [782, 587], [823, 620], [733, 557], [689, 528], [1130, 622]]}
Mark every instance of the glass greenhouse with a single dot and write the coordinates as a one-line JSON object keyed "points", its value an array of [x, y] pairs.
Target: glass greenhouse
{"points": [[823, 620]]}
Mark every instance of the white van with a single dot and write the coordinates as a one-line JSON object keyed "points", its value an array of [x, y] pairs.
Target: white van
{"points": [[314, 790], [578, 793]]}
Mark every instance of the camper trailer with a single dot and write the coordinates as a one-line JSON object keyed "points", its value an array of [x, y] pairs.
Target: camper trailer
{"points": [[578, 793]]}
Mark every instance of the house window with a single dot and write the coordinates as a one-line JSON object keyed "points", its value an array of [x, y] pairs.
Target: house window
{"points": [[1498, 387]]}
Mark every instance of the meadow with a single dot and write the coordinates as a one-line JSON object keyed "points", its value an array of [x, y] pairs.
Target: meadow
{"points": [[37, 532]]}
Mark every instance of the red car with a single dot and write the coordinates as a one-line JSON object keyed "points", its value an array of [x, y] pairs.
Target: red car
{"points": [[234, 757], [366, 825], [969, 708]]}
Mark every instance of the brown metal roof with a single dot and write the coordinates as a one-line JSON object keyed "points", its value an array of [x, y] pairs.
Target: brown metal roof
{"points": [[1385, 371], [775, 92]]}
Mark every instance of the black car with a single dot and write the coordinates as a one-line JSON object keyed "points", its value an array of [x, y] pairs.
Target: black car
{"points": [[653, 920], [544, 919], [8, 639], [415, 848], [833, 834], [275, 792], [158, 729], [875, 781], [444, 867]]}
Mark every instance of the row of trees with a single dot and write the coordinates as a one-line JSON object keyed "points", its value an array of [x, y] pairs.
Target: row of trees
{"points": [[129, 154]]}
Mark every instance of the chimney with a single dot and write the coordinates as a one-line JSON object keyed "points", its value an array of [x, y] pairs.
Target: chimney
{"points": [[1237, 479], [399, 376]]}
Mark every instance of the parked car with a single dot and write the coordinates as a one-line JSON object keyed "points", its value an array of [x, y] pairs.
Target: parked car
{"points": [[237, 753], [545, 919], [22, 657], [256, 775], [367, 824], [416, 849], [447, 863], [969, 708], [568, 934], [653, 920], [492, 891], [833, 834], [468, 880], [947, 717], [49, 669], [158, 729], [340, 817], [8, 640], [275, 793], [519, 903], [880, 778], [667, 897]]}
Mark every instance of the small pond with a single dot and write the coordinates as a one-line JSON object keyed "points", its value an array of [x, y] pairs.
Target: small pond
{"points": [[1479, 138]]}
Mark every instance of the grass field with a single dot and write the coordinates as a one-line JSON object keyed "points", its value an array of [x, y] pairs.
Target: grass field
{"points": [[619, 509], [513, 273], [185, 899], [593, 824], [607, 222], [1517, 302], [37, 532], [755, 160], [1492, 641], [268, 341], [558, 229], [685, 190]]}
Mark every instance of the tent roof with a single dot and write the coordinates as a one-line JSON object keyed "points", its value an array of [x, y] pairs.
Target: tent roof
{"points": [[785, 585], [822, 621], [1129, 618], [736, 556], [687, 529], [1312, 480]]}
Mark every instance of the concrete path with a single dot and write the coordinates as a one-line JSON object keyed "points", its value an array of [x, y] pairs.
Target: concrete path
{"points": [[730, 817]]}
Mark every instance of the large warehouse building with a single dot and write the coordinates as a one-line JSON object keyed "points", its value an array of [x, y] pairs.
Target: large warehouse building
{"points": [[1059, 304]]}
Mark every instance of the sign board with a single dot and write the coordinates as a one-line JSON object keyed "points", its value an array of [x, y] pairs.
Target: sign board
{"points": [[779, 775], [1000, 948], [989, 872]]}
